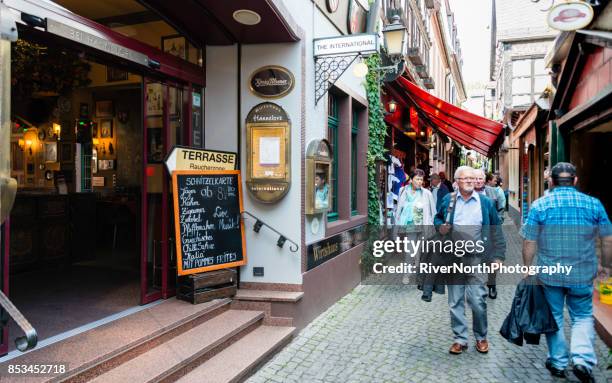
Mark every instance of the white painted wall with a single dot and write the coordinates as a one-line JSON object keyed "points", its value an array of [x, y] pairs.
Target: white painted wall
{"points": [[220, 97], [280, 265]]}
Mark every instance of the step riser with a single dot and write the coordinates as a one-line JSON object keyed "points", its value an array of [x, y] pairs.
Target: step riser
{"points": [[244, 375], [266, 307], [126, 355], [188, 366]]}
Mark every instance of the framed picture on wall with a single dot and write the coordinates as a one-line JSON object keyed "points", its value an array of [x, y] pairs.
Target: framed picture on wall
{"points": [[113, 74], [176, 45], [106, 128], [104, 109], [154, 100], [50, 151]]}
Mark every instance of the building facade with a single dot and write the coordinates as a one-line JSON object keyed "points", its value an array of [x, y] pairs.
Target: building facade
{"points": [[92, 187], [521, 38]]}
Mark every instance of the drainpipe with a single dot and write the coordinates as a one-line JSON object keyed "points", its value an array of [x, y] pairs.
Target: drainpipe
{"points": [[373, 16], [8, 185]]}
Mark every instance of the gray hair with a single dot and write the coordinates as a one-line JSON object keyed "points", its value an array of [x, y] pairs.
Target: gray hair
{"points": [[481, 170], [463, 169], [434, 177]]}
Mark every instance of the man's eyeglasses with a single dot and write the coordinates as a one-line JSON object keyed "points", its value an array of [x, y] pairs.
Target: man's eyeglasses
{"points": [[467, 179]]}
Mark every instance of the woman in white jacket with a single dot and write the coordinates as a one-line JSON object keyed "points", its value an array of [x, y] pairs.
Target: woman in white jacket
{"points": [[415, 213]]}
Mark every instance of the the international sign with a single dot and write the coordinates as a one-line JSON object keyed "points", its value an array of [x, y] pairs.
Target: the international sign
{"points": [[184, 158], [271, 82], [365, 43]]}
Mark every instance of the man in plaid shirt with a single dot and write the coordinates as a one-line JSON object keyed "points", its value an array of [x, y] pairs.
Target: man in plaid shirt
{"points": [[563, 226]]}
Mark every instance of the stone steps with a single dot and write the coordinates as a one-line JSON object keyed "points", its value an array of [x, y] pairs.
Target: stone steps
{"points": [[176, 357], [241, 358], [100, 349]]}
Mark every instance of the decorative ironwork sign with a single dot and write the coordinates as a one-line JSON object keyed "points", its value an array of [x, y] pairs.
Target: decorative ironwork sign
{"points": [[269, 152], [327, 249], [271, 82]]}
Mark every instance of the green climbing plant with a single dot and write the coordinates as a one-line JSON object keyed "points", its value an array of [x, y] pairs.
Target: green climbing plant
{"points": [[377, 131]]}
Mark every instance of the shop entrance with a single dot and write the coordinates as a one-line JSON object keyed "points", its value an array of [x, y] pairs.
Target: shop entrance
{"points": [[90, 232]]}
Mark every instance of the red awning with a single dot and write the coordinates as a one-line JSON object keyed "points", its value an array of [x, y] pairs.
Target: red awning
{"points": [[473, 131]]}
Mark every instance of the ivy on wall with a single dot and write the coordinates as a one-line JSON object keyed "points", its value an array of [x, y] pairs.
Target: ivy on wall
{"points": [[377, 131]]}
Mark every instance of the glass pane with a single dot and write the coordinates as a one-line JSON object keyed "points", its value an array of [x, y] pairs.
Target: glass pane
{"points": [[521, 68], [538, 67], [155, 140], [196, 119], [176, 135], [540, 84], [521, 100], [521, 85]]}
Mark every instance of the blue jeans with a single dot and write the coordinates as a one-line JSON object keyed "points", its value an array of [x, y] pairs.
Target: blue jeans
{"points": [[580, 306]]}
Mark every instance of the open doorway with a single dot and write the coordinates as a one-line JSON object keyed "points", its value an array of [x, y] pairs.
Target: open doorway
{"points": [[77, 154]]}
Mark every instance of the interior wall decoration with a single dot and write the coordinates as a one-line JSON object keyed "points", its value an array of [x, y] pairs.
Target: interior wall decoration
{"points": [[105, 127], [269, 152], [175, 45]]}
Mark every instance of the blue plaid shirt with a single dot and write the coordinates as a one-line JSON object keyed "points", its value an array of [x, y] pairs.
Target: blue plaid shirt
{"points": [[565, 224]]}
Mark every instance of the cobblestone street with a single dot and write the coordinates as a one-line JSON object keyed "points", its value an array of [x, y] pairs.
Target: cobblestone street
{"points": [[387, 334]]}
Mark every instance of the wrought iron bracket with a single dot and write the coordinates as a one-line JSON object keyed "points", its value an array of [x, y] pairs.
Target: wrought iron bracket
{"points": [[328, 70], [294, 247]]}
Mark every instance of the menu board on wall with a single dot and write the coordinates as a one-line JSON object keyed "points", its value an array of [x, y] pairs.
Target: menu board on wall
{"points": [[207, 217]]}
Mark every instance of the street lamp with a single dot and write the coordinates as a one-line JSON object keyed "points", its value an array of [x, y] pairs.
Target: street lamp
{"points": [[395, 35], [392, 106]]}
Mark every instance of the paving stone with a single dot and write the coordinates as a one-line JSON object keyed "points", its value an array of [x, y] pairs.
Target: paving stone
{"points": [[386, 333]]}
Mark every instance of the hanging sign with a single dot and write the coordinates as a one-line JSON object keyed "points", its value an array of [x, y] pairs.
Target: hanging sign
{"points": [[185, 158], [207, 220], [271, 82], [365, 43], [570, 16]]}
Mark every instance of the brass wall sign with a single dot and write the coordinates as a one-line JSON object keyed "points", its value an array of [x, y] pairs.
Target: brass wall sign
{"points": [[271, 82], [268, 152]]}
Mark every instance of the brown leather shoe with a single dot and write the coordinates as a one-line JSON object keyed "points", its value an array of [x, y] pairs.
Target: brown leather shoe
{"points": [[482, 346], [457, 348]]}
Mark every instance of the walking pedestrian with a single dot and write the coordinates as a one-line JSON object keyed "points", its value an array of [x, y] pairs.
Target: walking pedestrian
{"points": [[473, 217], [496, 195], [415, 212], [438, 189], [446, 182], [562, 227]]}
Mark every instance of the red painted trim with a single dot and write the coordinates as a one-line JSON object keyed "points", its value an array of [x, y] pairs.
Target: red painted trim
{"points": [[143, 203], [170, 65], [165, 195], [187, 106], [5, 280]]}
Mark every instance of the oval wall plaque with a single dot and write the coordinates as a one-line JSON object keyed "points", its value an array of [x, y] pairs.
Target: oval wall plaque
{"points": [[271, 82]]}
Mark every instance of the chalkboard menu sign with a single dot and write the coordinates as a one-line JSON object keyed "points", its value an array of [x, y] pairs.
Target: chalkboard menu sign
{"points": [[209, 231]]}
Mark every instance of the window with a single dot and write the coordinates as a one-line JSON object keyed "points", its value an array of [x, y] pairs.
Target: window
{"points": [[354, 156], [332, 137], [529, 78]]}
